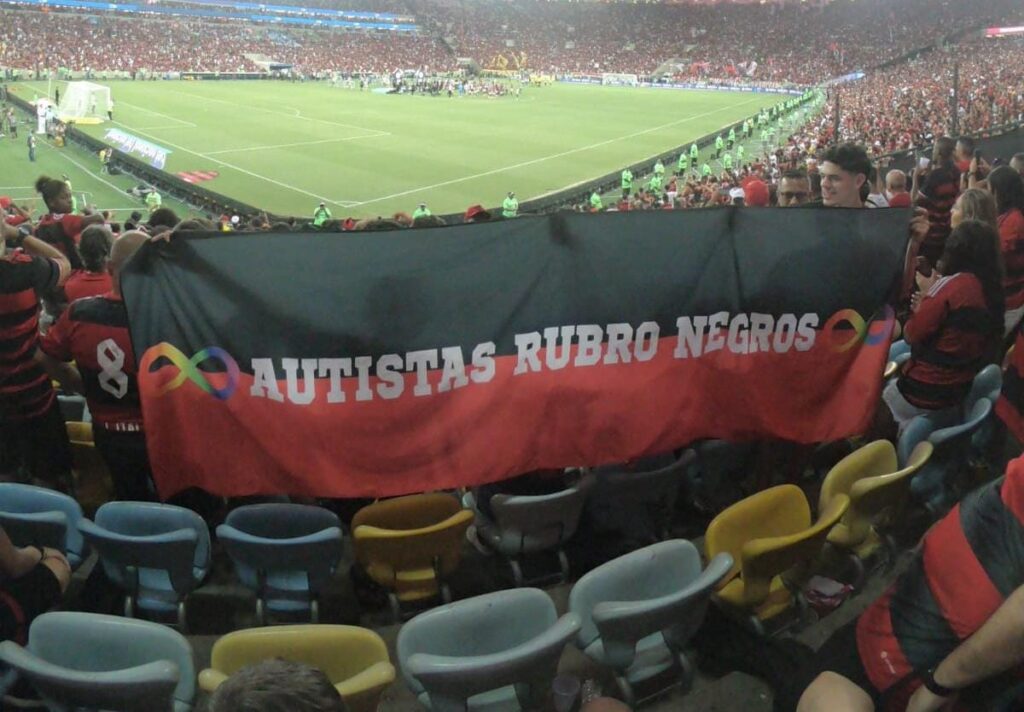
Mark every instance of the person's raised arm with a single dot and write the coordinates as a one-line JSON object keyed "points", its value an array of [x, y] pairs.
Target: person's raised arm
{"points": [[994, 648], [35, 246]]}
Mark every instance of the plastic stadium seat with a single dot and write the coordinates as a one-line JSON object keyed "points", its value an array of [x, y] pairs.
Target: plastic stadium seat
{"points": [[639, 611], [354, 659], [499, 649], [985, 443], [91, 661], [941, 482], [410, 545], [286, 553], [769, 535], [527, 524], [639, 497], [157, 553], [43, 517], [877, 488], [987, 384], [721, 466], [899, 353]]}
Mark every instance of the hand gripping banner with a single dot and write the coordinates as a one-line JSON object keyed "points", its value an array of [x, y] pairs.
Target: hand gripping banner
{"points": [[373, 364]]}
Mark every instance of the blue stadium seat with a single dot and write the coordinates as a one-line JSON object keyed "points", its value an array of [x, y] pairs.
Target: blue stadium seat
{"points": [[639, 498], [500, 649], [937, 485], [43, 517], [91, 661], [285, 553], [525, 524], [157, 553], [640, 610]]}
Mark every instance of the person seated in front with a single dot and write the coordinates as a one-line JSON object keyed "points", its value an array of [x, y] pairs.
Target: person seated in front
{"points": [[955, 328], [277, 686], [949, 632], [32, 581]]}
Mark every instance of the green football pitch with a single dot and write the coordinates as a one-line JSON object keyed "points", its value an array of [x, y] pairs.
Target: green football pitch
{"points": [[287, 146]]}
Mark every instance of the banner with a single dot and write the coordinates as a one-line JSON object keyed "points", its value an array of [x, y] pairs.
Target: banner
{"points": [[155, 155], [372, 364]]}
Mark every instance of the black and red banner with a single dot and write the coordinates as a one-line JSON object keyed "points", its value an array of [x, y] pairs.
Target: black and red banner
{"points": [[371, 364]]}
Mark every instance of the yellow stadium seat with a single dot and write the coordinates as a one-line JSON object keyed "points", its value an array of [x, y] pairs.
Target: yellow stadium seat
{"points": [[772, 541], [79, 433], [354, 659], [409, 545], [877, 488]]}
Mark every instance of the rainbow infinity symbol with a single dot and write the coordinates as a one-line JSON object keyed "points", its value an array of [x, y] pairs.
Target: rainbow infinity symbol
{"points": [[870, 333], [188, 368]]}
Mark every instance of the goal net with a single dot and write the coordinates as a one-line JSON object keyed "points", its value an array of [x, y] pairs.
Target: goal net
{"points": [[84, 103], [620, 79]]}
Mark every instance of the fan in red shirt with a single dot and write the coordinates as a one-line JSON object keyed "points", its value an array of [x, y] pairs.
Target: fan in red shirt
{"points": [[57, 196], [949, 627], [93, 332], [1007, 188], [956, 327], [94, 280], [937, 195], [32, 432]]}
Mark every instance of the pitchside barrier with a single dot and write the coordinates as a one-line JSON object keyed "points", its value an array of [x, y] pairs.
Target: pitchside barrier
{"points": [[998, 141], [611, 181], [167, 184]]}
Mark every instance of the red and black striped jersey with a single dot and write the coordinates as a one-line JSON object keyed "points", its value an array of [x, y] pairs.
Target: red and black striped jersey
{"points": [[25, 389], [93, 332], [967, 565], [937, 195], [1011, 242], [952, 335]]}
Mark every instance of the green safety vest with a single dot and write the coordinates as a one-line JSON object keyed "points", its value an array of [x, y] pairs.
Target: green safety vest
{"points": [[510, 207], [320, 216]]}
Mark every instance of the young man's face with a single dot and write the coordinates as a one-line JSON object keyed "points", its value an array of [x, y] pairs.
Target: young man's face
{"points": [[793, 191], [839, 188]]}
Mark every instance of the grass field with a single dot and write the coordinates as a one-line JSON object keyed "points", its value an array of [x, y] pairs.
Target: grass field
{"points": [[285, 147]]}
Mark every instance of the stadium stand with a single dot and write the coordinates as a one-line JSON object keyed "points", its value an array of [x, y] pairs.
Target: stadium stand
{"points": [[909, 52]]}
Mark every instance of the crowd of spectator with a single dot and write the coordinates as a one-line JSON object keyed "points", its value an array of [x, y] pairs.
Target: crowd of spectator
{"points": [[34, 40], [964, 258], [720, 42]]}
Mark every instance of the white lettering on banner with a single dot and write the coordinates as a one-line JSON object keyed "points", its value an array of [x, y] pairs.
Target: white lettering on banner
{"points": [[446, 369]]}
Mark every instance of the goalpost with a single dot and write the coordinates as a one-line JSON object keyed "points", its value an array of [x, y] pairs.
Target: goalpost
{"points": [[84, 103], [620, 79]]}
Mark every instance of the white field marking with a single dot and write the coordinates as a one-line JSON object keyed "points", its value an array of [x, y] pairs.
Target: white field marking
{"points": [[296, 115], [557, 155], [189, 124], [293, 145], [237, 168], [16, 187], [158, 128]]}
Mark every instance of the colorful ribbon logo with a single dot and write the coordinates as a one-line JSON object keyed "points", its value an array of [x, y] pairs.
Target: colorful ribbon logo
{"points": [[188, 368], [870, 333]]}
